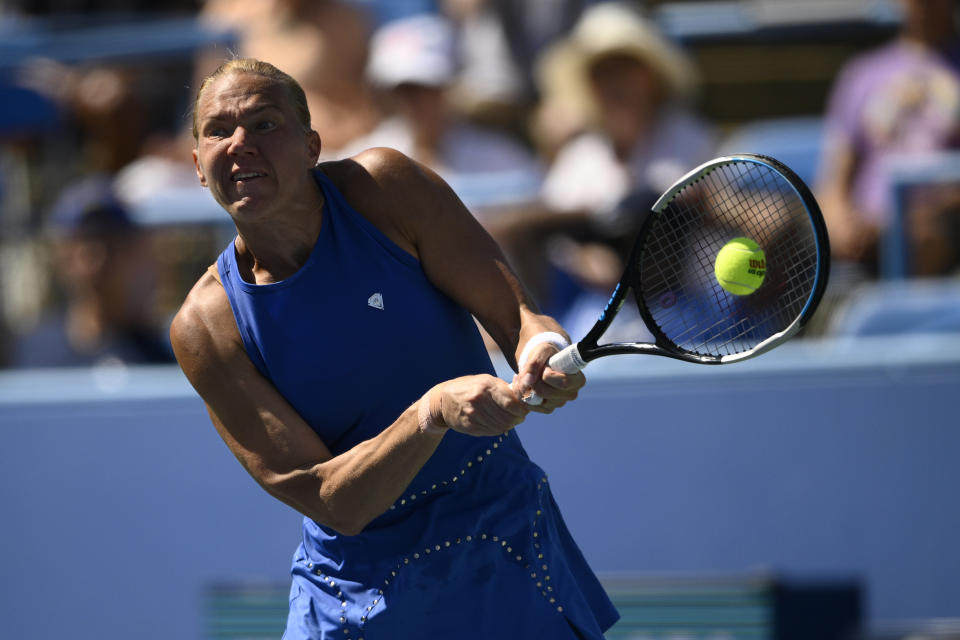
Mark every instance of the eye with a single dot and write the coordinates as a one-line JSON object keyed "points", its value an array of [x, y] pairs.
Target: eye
{"points": [[265, 125], [218, 132]]}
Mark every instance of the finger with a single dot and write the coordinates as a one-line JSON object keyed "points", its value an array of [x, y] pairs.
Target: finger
{"points": [[541, 396], [532, 370], [553, 385], [548, 405], [523, 393], [564, 383], [542, 407], [495, 422], [512, 413], [501, 410], [526, 380], [558, 385], [532, 399], [510, 396], [549, 402]]}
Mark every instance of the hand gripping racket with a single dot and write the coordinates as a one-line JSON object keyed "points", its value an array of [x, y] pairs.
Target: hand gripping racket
{"points": [[673, 268]]}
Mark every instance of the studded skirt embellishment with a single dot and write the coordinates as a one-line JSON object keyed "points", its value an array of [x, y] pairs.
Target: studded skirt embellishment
{"points": [[524, 540], [440, 484], [536, 564]]}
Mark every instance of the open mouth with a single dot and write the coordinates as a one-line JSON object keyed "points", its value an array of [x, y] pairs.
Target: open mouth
{"points": [[246, 175]]}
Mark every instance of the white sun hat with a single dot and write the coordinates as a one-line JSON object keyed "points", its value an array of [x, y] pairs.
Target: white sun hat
{"points": [[417, 50], [607, 29]]}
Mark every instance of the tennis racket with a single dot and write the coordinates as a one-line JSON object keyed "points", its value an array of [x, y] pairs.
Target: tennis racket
{"points": [[672, 268]]}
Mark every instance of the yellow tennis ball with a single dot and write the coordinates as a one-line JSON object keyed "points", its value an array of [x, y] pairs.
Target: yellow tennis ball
{"points": [[740, 266]]}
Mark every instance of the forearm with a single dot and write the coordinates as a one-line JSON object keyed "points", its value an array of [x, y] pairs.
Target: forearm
{"points": [[512, 318], [349, 490]]}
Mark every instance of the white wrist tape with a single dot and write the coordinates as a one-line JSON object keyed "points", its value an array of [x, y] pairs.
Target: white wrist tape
{"points": [[427, 419], [551, 337]]}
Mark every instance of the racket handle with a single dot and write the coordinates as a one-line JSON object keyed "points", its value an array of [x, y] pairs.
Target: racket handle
{"points": [[567, 360]]}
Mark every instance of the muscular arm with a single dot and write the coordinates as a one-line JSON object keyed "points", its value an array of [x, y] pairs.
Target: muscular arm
{"points": [[283, 454], [270, 439]]}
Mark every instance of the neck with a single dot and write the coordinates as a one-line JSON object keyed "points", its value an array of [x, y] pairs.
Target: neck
{"points": [[273, 248]]}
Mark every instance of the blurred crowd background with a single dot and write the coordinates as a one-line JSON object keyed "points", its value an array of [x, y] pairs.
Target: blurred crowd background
{"points": [[558, 122]]}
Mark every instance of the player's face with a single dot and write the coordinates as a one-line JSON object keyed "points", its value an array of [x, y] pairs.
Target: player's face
{"points": [[252, 151]]}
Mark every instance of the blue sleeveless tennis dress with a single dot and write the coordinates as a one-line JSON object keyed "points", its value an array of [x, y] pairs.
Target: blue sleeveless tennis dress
{"points": [[476, 547]]}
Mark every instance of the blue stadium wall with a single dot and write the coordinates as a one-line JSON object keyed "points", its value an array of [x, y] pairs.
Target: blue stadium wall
{"points": [[822, 460]]}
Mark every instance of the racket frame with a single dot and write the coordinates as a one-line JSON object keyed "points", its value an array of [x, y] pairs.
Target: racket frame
{"points": [[588, 348]]}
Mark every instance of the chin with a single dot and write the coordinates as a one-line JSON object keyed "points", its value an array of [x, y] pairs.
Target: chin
{"points": [[241, 206]]}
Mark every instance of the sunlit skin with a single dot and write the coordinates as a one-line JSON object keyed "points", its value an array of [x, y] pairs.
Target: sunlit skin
{"points": [[255, 157]]}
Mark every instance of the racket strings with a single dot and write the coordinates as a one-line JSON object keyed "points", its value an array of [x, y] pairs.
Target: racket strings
{"points": [[676, 263], [744, 335]]}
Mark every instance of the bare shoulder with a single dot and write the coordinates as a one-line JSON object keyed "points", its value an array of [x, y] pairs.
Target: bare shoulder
{"points": [[203, 332], [378, 167], [393, 191]]}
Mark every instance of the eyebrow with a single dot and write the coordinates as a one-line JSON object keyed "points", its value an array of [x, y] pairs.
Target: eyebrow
{"points": [[246, 113]]}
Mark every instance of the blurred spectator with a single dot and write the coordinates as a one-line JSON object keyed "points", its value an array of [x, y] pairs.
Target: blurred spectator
{"points": [[26, 115], [413, 61], [110, 113], [113, 115], [323, 44], [105, 268], [615, 116], [900, 100], [617, 124], [490, 80], [104, 107], [114, 118], [498, 44], [384, 11]]}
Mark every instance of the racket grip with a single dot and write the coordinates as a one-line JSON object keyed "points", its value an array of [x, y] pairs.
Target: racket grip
{"points": [[567, 360]]}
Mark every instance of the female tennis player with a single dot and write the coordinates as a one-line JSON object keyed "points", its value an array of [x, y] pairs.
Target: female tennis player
{"points": [[334, 347]]}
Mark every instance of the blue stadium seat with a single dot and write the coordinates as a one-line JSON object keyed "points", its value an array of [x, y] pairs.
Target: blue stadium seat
{"points": [[794, 141], [900, 307], [24, 111]]}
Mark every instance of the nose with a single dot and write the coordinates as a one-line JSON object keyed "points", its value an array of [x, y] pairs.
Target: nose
{"points": [[240, 143]]}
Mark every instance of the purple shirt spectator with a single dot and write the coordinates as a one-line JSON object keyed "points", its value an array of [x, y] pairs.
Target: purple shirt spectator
{"points": [[901, 99]]}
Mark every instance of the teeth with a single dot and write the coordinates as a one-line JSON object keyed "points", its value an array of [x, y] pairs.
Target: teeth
{"points": [[244, 176]]}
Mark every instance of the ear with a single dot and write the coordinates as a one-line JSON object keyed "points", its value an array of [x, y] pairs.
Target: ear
{"points": [[313, 147], [196, 164]]}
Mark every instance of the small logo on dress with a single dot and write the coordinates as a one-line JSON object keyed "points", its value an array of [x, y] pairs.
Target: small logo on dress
{"points": [[376, 301]]}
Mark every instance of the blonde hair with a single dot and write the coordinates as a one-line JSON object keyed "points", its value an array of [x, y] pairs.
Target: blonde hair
{"points": [[263, 69]]}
